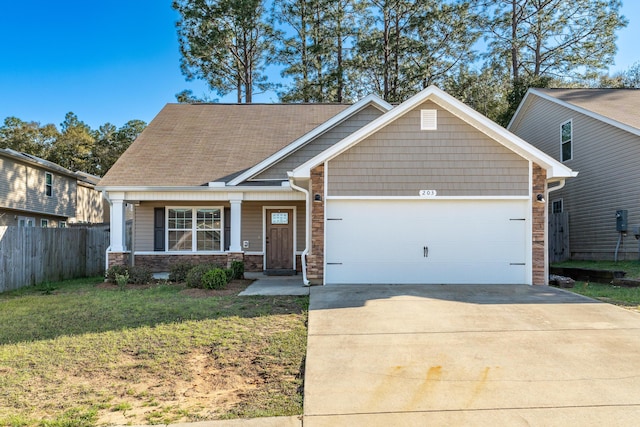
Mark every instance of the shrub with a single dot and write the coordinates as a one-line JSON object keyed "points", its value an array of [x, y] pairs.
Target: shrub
{"points": [[178, 272], [115, 269], [237, 270], [194, 276], [215, 279], [122, 280], [139, 275]]}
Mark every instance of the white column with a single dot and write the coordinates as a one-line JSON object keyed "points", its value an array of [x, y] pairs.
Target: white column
{"points": [[117, 222], [235, 245]]}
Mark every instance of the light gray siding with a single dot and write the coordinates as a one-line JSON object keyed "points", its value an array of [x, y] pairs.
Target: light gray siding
{"points": [[455, 160], [22, 187], [319, 144], [252, 223], [607, 159]]}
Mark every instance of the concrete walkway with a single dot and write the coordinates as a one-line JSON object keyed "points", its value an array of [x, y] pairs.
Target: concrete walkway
{"points": [[469, 355], [275, 285]]}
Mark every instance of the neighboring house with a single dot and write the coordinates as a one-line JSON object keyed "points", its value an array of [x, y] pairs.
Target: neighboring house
{"points": [[37, 193], [429, 191], [595, 131]]}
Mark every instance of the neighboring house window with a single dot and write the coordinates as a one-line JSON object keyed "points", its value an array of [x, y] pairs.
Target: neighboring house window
{"points": [[566, 141], [194, 229], [62, 224], [44, 223], [48, 184], [24, 221], [556, 206]]}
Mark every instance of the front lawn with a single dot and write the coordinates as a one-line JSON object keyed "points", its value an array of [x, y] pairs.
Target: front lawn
{"points": [[79, 353]]}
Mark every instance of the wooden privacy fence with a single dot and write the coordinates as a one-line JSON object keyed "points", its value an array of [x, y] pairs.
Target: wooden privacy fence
{"points": [[31, 255], [559, 237]]}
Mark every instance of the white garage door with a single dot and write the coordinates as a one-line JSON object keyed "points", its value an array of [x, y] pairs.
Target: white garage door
{"points": [[427, 241]]}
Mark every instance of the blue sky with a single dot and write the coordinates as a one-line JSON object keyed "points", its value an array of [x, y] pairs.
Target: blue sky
{"points": [[118, 60]]}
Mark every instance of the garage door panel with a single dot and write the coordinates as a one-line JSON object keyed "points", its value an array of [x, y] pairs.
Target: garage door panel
{"points": [[426, 241]]}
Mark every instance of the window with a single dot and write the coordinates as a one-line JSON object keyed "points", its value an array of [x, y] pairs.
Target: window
{"points": [[566, 141], [194, 229], [62, 224], [25, 221], [556, 206], [44, 223], [48, 184]]}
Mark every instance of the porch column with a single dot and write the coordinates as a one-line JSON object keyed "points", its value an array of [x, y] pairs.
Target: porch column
{"points": [[235, 245], [117, 222]]}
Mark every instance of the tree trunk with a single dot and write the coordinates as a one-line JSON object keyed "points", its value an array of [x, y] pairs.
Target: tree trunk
{"points": [[514, 40]]}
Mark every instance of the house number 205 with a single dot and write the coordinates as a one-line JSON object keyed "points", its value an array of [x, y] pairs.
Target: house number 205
{"points": [[428, 193]]}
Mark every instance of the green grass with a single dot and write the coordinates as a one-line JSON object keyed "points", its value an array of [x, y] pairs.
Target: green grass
{"points": [[70, 355], [628, 297], [632, 268]]}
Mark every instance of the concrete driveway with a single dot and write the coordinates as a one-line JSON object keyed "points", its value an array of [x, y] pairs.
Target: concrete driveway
{"points": [[469, 355]]}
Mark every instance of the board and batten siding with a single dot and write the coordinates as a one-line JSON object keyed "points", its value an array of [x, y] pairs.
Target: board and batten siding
{"points": [[455, 160], [22, 187], [252, 222], [319, 144], [606, 158]]}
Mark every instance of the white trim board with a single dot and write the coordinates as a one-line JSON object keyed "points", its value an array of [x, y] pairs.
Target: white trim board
{"points": [[554, 168], [372, 100]]}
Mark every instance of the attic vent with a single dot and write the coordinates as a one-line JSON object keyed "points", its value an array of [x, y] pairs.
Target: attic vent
{"points": [[428, 119]]}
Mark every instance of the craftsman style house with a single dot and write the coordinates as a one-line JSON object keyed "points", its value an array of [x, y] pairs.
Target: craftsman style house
{"points": [[429, 191]]}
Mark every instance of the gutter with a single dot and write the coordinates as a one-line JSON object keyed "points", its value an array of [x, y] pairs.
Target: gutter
{"points": [[307, 238], [130, 189]]}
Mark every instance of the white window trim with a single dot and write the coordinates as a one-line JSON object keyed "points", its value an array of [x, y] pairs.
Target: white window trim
{"points": [[62, 224], [194, 231], [44, 223], [46, 174], [570, 121]]}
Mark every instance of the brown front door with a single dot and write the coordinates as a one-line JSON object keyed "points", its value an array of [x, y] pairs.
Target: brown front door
{"points": [[279, 239]]}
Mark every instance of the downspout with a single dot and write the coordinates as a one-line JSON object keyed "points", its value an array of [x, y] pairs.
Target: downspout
{"points": [[106, 255], [307, 234]]}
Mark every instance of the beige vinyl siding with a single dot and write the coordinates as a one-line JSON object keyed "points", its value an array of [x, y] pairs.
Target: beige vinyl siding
{"points": [[252, 222], [319, 144], [90, 207], [22, 187], [10, 218], [606, 158], [455, 160]]}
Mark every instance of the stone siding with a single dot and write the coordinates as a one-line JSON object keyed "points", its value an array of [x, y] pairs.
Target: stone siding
{"points": [[118, 258], [315, 259], [539, 225]]}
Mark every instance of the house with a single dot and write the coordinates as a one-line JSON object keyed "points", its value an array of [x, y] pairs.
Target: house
{"points": [[595, 131], [36, 192], [429, 191]]}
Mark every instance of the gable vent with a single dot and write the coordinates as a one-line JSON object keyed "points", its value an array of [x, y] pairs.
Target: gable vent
{"points": [[428, 119]]}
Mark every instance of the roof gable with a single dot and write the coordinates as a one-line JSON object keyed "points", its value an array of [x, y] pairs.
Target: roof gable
{"points": [[554, 168], [616, 107], [370, 100], [193, 144]]}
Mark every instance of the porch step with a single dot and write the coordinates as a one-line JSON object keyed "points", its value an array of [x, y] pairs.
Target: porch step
{"points": [[280, 272]]}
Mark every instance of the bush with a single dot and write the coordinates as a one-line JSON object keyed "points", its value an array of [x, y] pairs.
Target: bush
{"points": [[215, 279], [139, 275], [237, 270], [194, 276], [178, 272], [120, 270]]}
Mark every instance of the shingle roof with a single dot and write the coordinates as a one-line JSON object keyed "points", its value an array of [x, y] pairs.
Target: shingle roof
{"points": [[29, 158], [621, 105], [193, 144]]}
